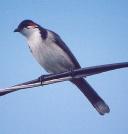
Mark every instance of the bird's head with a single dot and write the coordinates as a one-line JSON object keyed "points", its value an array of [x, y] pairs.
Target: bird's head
{"points": [[26, 27]]}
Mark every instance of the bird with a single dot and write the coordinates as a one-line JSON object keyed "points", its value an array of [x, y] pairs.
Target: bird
{"points": [[52, 53]]}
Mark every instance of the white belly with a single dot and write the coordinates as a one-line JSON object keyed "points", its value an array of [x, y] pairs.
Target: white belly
{"points": [[51, 57]]}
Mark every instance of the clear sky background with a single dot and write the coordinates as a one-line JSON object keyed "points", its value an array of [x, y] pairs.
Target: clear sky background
{"points": [[97, 33]]}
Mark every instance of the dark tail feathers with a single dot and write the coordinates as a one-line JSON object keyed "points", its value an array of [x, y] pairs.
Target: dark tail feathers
{"points": [[92, 96]]}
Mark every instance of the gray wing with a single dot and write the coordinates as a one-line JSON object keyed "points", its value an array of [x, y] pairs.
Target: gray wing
{"points": [[65, 48]]}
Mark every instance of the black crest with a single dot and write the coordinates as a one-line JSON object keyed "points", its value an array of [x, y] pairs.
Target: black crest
{"points": [[26, 23]]}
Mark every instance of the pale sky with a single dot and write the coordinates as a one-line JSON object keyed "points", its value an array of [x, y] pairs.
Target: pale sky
{"points": [[96, 32]]}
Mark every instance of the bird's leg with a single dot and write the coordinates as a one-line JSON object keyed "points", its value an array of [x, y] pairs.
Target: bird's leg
{"points": [[72, 73], [41, 79]]}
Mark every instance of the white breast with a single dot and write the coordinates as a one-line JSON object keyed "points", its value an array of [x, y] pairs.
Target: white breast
{"points": [[51, 57]]}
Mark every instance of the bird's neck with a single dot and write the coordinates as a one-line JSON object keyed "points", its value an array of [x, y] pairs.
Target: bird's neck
{"points": [[43, 32], [35, 37]]}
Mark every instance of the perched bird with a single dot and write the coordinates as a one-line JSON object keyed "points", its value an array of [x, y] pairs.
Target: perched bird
{"points": [[54, 56]]}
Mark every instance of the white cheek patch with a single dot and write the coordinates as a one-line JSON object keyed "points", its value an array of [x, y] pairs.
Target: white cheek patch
{"points": [[27, 32]]}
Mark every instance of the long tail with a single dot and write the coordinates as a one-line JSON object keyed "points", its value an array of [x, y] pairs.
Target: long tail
{"points": [[92, 96]]}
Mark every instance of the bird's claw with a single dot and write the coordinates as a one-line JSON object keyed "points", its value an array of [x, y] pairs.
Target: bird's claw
{"points": [[72, 73], [41, 79]]}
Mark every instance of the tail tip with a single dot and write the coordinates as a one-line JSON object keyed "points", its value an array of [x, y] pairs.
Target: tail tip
{"points": [[102, 107]]}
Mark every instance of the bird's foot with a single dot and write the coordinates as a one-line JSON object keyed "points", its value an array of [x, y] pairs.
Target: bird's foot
{"points": [[41, 79], [72, 73]]}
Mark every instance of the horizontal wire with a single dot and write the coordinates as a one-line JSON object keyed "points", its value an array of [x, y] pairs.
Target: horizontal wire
{"points": [[64, 76]]}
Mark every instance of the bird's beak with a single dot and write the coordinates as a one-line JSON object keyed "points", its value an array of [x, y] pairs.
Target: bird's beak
{"points": [[16, 30]]}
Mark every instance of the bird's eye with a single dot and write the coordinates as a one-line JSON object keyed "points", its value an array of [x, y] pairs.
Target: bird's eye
{"points": [[31, 27]]}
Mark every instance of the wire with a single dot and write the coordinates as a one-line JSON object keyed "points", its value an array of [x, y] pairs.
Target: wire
{"points": [[64, 76]]}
